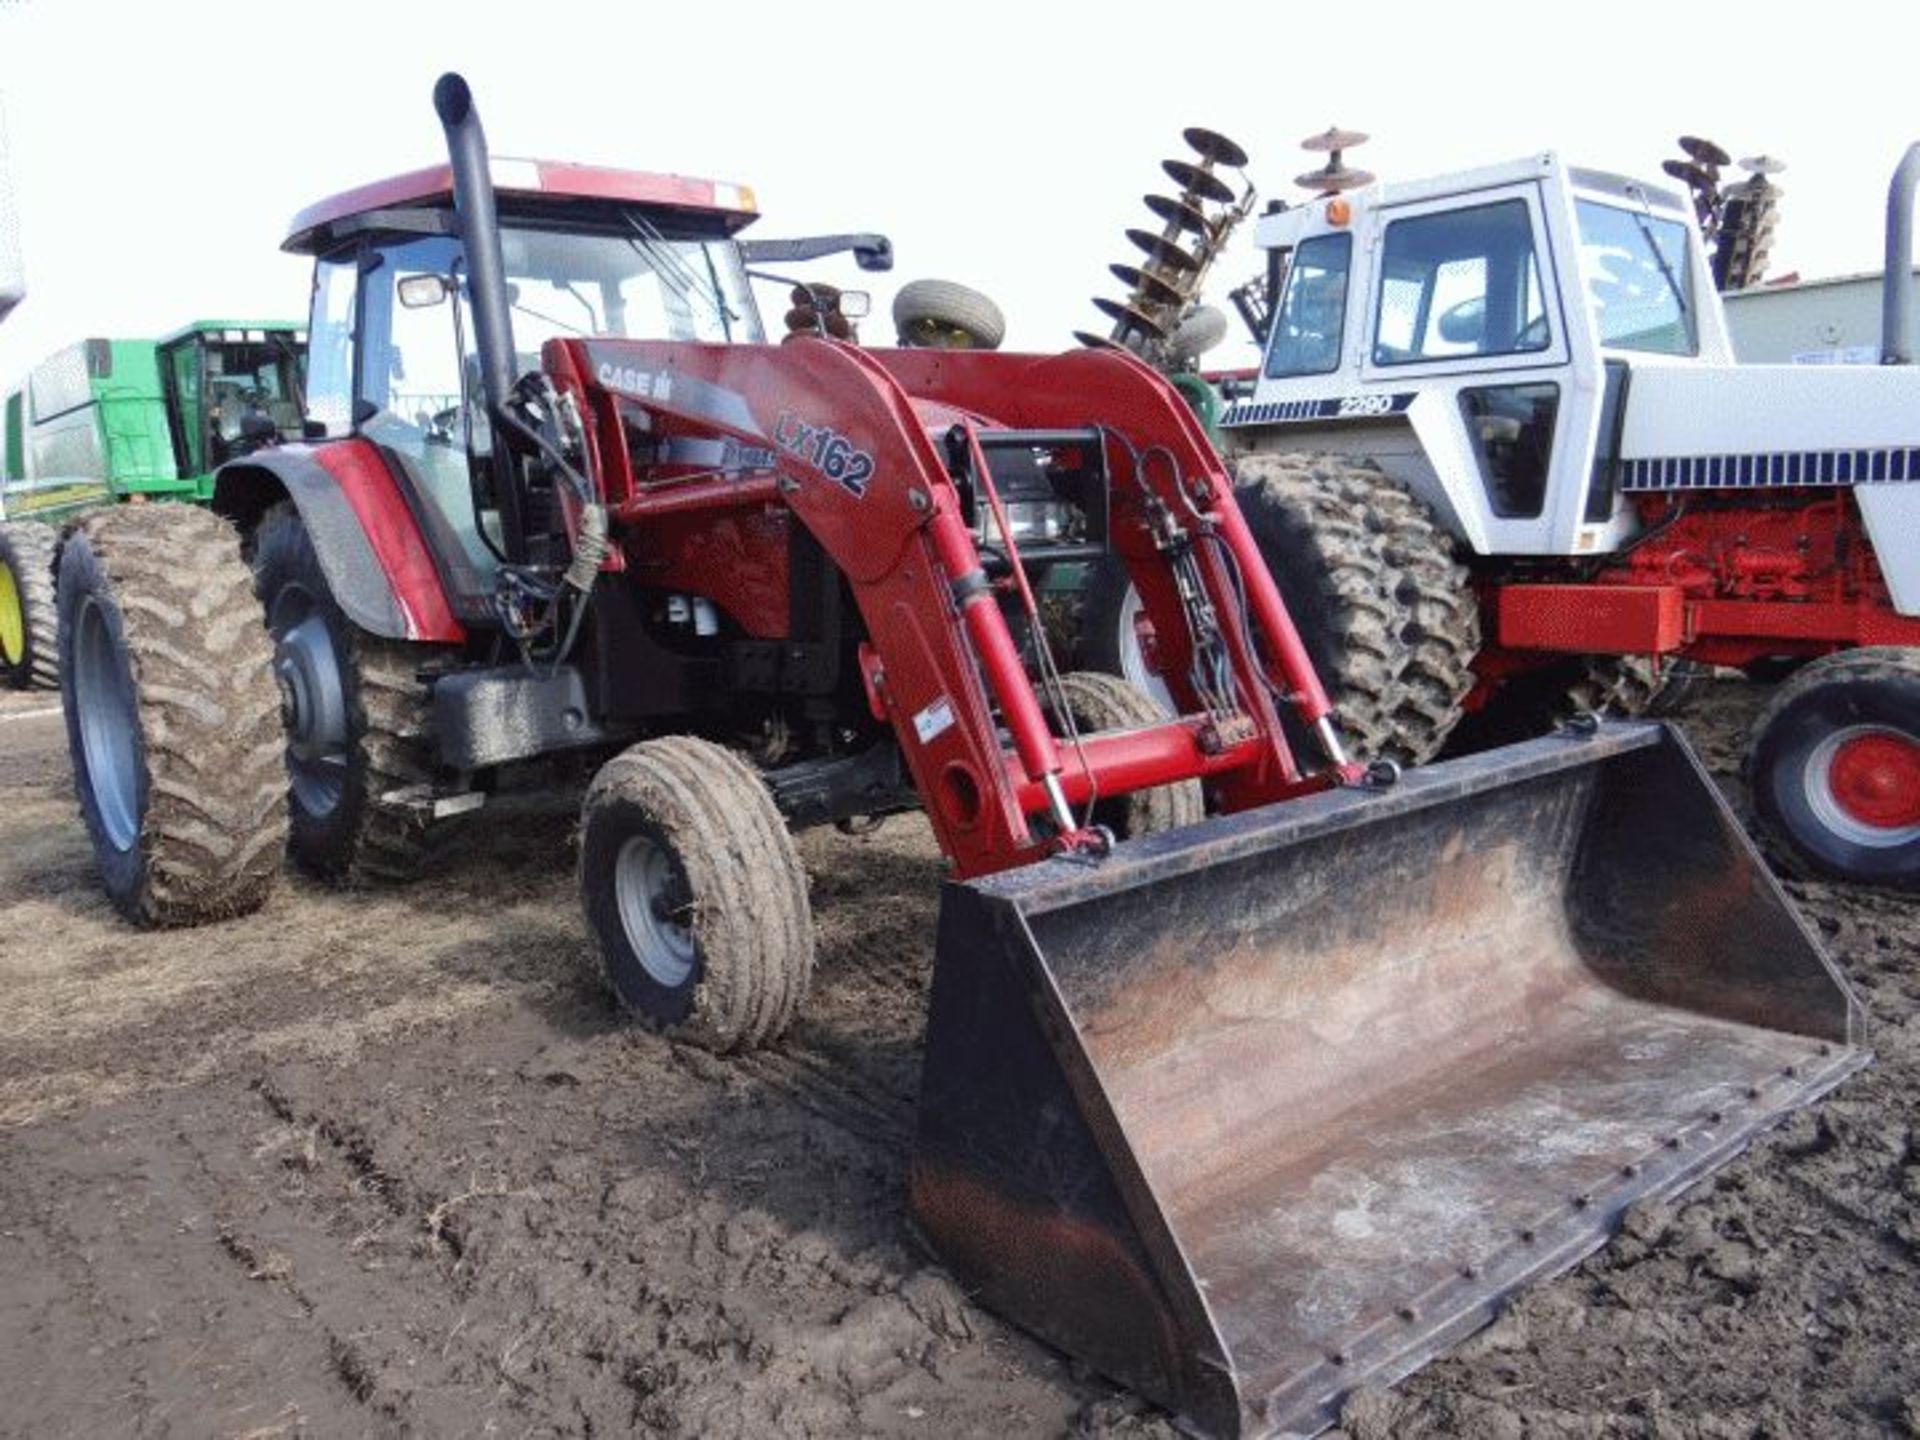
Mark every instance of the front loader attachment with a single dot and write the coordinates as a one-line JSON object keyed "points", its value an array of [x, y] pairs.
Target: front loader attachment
{"points": [[1252, 1114]]}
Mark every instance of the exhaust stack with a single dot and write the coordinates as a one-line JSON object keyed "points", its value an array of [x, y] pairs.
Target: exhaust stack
{"points": [[1896, 313], [479, 235]]}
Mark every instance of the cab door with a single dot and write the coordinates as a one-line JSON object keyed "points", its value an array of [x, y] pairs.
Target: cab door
{"points": [[1467, 313]]}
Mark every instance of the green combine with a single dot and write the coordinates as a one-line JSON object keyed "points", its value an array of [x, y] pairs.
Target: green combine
{"points": [[107, 421]]}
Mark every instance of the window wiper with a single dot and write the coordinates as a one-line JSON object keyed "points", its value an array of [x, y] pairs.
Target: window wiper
{"points": [[675, 273], [552, 320], [1640, 218]]}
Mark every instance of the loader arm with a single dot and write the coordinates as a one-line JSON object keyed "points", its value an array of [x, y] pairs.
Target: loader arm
{"points": [[829, 433]]}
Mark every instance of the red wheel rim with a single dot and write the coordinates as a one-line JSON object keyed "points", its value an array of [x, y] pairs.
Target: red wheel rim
{"points": [[1875, 779]]}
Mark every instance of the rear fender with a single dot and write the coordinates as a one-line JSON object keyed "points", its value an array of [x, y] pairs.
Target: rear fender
{"points": [[376, 561]]}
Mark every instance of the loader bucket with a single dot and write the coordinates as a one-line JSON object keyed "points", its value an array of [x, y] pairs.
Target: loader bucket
{"points": [[1249, 1115]]}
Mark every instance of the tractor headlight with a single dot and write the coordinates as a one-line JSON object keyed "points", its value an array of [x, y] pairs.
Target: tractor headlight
{"points": [[1033, 522]]}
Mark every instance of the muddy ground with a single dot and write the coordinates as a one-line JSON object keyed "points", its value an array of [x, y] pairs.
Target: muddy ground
{"points": [[393, 1164]]}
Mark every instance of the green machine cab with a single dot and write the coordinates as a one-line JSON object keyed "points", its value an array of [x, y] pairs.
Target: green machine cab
{"points": [[106, 421]]}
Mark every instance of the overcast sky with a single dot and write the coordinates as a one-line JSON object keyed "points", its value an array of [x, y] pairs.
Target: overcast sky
{"points": [[161, 148]]}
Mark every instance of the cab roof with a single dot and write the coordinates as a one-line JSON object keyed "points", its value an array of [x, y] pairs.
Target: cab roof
{"points": [[241, 328], [524, 188]]}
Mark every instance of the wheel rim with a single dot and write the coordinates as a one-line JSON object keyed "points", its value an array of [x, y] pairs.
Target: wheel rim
{"points": [[13, 619], [653, 899], [1133, 660], [109, 726], [313, 701], [1863, 783]]}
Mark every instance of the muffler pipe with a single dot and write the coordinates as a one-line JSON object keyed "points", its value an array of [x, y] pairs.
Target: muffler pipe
{"points": [[1896, 289], [473, 206]]}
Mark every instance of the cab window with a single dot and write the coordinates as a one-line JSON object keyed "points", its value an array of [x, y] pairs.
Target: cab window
{"points": [[1313, 308], [1460, 284], [1639, 282]]}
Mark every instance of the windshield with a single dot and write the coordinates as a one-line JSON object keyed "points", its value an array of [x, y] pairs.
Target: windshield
{"points": [[263, 374], [640, 285], [1638, 279]]}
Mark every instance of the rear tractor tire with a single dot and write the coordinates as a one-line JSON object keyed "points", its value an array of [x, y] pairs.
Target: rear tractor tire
{"points": [[1099, 703], [173, 717], [695, 893], [1834, 767], [358, 721], [29, 629]]}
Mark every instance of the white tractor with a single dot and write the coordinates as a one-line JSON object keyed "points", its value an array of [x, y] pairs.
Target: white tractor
{"points": [[1500, 459]]}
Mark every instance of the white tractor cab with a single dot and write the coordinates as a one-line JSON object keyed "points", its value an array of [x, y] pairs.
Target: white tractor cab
{"points": [[1492, 323], [1503, 463]]}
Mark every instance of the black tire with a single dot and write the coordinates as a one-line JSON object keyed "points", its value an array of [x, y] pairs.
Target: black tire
{"points": [[367, 742], [697, 835], [1384, 609], [944, 315], [29, 627], [1442, 625], [1623, 687], [1865, 828], [1772, 669], [173, 717], [1106, 702], [1536, 702]]}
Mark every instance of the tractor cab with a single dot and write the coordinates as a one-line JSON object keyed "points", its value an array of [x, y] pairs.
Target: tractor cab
{"points": [[230, 387], [395, 343], [1533, 349], [1496, 313]]}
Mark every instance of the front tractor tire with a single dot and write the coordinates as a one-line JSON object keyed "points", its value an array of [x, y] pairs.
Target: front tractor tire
{"points": [[173, 717], [29, 639], [359, 761], [1834, 767], [1098, 703], [695, 892]]}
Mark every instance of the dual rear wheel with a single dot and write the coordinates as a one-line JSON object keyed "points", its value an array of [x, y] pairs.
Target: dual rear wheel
{"points": [[1371, 582], [221, 714]]}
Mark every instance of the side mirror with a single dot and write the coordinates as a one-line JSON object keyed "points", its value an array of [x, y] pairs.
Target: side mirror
{"points": [[422, 292], [855, 304]]}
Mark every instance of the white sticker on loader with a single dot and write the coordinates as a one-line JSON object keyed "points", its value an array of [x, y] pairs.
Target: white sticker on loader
{"points": [[933, 721]]}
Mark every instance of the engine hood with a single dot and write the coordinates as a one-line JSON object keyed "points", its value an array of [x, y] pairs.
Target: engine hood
{"points": [[1724, 412]]}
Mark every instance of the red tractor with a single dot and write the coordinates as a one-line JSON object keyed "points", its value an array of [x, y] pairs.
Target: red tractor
{"points": [[768, 585]]}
